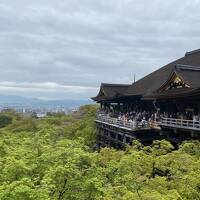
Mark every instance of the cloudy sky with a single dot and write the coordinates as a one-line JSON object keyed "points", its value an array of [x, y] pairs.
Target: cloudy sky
{"points": [[56, 49]]}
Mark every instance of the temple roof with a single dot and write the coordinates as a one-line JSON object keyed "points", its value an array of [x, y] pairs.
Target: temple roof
{"points": [[152, 86], [110, 91], [188, 67], [174, 93], [190, 74]]}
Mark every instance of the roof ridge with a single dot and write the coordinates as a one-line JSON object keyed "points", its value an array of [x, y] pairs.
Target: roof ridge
{"points": [[187, 67], [192, 52], [114, 84]]}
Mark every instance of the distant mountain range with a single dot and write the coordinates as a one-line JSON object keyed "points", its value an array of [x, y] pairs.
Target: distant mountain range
{"points": [[11, 100]]}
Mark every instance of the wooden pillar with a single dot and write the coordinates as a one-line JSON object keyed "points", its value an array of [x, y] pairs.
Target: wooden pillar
{"points": [[124, 139], [118, 107], [198, 105], [101, 105]]}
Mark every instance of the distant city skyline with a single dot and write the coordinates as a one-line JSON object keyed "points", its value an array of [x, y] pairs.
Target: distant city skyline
{"points": [[64, 49]]}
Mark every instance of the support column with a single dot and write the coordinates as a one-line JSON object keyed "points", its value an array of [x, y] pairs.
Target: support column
{"points": [[124, 139], [109, 138]]}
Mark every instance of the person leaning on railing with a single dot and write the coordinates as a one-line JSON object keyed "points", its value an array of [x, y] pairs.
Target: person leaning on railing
{"points": [[195, 118]]}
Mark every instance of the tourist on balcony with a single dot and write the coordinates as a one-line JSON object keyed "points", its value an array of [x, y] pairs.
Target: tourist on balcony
{"points": [[144, 122], [195, 118]]}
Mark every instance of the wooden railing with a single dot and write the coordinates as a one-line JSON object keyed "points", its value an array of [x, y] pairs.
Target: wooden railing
{"points": [[180, 123], [121, 123], [166, 122]]}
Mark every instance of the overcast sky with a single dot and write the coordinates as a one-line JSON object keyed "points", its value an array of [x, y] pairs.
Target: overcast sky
{"points": [[56, 49]]}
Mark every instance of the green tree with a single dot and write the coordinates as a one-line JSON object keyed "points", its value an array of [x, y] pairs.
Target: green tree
{"points": [[5, 120]]}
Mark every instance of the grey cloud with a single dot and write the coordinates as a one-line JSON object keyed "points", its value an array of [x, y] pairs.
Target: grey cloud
{"points": [[75, 42], [46, 90]]}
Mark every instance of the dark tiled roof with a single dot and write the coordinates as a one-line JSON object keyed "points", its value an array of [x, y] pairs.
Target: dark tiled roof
{"points": [[173, 93], [190, 74], [110, 91], [187, 67], [152, 82], [192, 52]]}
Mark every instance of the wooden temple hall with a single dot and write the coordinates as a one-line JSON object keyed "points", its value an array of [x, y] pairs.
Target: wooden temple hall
{"points": [[163, 105]]}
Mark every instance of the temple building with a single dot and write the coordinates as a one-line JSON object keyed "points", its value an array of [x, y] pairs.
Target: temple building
{"points": [[163, 105]]}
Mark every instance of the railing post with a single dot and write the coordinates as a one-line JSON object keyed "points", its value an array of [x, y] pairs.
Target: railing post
{"points": [[180, 123]]}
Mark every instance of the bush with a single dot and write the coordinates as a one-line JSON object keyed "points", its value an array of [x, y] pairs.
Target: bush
{"points": [[5, 120]]}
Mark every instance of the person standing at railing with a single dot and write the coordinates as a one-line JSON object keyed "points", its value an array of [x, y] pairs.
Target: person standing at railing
{"points": [[133, 123], [144, 122], [119, 117], [155, 116], [125, 120], [195, 120]]}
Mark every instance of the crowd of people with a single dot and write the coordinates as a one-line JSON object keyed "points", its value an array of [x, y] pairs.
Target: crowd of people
{"points": [[138, 117], [143, 118], [146, 118]]}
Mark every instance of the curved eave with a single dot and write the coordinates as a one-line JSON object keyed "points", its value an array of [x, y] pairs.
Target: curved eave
{"points": [[115, 99], [171, 95]]}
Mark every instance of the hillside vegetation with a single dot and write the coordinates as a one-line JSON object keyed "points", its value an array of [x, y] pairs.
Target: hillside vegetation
{"points": [[53, 159]]}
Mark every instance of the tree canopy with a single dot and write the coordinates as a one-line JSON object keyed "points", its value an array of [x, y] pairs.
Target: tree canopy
{"points": [[52, 158]]}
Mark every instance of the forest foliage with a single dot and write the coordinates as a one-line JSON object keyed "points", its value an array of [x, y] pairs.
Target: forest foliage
{"points": [[53, 158]]}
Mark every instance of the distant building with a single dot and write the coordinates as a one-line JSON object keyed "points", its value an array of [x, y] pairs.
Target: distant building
{"points": [[41, 115]]}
